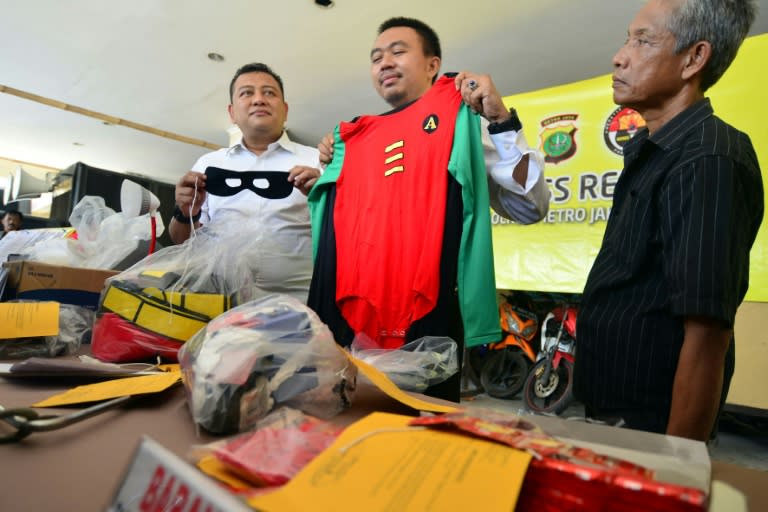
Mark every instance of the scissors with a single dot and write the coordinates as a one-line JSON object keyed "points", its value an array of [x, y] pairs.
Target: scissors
{"points": [[25, 420]]}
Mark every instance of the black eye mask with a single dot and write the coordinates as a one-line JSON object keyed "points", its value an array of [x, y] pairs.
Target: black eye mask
{"points": [[225, 183]]}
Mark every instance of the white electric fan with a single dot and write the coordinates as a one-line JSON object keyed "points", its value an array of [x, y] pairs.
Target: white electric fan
{"points": [[135, 200]]}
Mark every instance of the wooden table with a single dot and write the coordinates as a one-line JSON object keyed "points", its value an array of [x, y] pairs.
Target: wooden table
{"points": [[78, 468]]}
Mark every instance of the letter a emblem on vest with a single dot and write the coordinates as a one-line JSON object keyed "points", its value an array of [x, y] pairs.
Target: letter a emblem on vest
{"points": [[430, 123]]}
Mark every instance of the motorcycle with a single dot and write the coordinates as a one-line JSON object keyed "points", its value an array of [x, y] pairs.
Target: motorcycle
{"points": [[507, 363], [549, 386]]}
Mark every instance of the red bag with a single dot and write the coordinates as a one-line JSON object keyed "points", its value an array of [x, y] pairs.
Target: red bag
{"points": [[273, 455], [117, 340], [562, 477]]}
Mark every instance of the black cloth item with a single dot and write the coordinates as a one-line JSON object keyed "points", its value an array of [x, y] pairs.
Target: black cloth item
{"points": [[685, 214], [655, 419], [225, 183]]}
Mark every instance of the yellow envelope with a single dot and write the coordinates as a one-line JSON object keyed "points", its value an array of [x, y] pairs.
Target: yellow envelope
{"points": [[211, 466], [113, 388], [29, 319], [381, 464]]}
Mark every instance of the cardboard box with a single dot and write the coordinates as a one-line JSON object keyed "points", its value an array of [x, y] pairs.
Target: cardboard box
{"points": [[32, 280]]}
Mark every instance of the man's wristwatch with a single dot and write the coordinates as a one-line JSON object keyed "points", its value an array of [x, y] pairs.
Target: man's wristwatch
{"points": [[183, 219], [511, 124]]}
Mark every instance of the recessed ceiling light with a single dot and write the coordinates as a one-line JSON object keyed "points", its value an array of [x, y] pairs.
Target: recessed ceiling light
{"points": [[216, 57], [327, 4]]}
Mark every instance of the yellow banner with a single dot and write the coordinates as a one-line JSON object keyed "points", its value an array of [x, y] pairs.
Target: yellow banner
{"points": [[581, 131]]}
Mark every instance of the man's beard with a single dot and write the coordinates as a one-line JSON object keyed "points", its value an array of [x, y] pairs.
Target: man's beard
{"points": [[395, 98]]}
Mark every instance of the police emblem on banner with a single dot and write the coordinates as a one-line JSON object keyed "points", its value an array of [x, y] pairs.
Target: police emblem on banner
{"points": [[558, 137], [620, 126]]}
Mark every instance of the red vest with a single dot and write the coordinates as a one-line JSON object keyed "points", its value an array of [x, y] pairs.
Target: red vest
{"points": [[390, 211]]}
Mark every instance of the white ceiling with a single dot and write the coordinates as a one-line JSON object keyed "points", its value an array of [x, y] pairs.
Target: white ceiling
{"points": [[146, 61]]}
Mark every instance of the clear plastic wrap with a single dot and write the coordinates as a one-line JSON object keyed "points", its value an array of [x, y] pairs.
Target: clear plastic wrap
{"points": [[74, 329], [416, 365], [153, 307], [270, 352], [104, 238], [87, 216]]}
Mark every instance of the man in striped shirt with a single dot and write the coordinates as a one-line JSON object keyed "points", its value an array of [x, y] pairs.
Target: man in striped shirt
{"points": [[655, 329]]}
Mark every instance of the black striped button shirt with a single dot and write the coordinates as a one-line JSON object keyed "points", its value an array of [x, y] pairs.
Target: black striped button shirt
{"points": [[685, 213]]}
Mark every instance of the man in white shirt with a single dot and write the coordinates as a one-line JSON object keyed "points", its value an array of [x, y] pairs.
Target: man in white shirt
{"points": [[281, 226]]}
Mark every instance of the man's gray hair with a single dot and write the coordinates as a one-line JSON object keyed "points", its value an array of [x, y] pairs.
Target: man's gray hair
{"points": [[723, 23]]}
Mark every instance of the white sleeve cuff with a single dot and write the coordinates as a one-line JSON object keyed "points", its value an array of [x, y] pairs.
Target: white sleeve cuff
{"points": [[511, 147]]}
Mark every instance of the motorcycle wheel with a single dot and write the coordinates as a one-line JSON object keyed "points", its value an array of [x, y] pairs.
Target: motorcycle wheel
{"points": [[504, 372], [552, 397]]}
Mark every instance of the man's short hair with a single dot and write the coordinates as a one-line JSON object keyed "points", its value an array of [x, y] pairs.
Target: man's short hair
{"points": [[429, 40], [255, 67], [722, 23], [14, 212]]}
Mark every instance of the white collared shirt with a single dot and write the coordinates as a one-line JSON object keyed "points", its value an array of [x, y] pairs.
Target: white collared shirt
{"points": [[280, 226], [280, 155]]}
